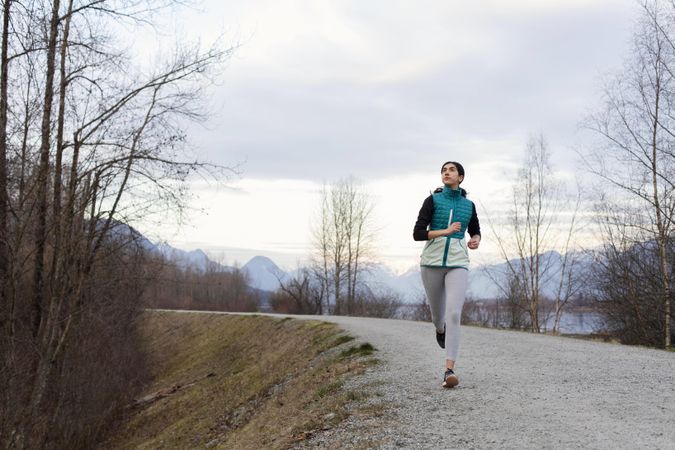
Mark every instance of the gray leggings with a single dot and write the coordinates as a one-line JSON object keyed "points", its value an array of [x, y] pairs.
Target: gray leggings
{"points": [[446, 289]]}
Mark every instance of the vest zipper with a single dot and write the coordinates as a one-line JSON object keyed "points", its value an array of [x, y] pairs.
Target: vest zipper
{"points": [[448, 238]]}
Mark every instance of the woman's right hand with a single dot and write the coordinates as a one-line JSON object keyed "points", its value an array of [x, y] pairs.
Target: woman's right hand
{"points": [[454, 227]]}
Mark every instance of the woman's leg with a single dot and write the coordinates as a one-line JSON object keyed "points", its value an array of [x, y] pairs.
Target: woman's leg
{"points": [[455, 292], [433, 280]]}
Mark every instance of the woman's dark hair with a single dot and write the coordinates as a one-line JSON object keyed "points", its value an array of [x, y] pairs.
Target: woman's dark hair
{"points": [[460, 168]]}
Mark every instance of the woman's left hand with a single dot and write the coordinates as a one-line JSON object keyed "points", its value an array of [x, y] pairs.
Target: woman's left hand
{"points": [[474, 242]]}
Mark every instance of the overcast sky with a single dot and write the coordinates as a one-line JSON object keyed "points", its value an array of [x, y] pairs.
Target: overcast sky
{"points": [[386, 91]]}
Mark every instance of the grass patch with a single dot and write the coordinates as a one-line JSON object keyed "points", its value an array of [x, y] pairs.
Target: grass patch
{"points": [[357, 396], [362, 350], [229, 381], [371, 362], [330, 388], [343, 340]]}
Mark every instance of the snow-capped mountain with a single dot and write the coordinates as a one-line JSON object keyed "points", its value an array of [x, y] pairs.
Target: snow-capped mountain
{"points": [[195, 260], [381, 278], [264, 274], [483, 281], [126, 234]]}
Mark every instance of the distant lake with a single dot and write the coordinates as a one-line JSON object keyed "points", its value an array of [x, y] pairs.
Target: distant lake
{"points": [[577, 323], [573, 322]]}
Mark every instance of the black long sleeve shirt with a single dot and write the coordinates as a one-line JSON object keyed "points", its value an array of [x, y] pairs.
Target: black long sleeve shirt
{"points": [[421, 233]]}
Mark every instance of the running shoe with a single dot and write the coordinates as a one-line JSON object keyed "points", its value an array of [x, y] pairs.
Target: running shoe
{"points": [[440, 337], [450, 380]]}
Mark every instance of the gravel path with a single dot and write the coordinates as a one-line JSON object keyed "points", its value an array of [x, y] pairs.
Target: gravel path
{"points": [[517, 390]]}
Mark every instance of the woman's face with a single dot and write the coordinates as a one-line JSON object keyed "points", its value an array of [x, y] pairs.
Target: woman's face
{"points": [[450, 176]]}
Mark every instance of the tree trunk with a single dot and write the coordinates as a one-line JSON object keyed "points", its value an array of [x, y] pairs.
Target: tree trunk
{"points": [[60, 256], [58, 164], [665, 273], [43, 172], [661, 238], [4, 235]]}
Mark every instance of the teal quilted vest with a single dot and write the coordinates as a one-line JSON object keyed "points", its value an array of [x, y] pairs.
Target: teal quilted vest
{"points": [[448, 251], [447, 201]]}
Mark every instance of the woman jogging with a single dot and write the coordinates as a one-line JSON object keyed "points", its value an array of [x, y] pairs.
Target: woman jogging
{"points": [[444, 218]]}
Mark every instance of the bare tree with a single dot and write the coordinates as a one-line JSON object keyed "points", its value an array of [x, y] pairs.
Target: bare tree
{"points": [[358, 235], [301, 294], [531, 232], [4, 238], [634, 155], [87, 141], [343, 239], [571, 280], [320, 258], [384, 303], [626, 282], [419, 310]]}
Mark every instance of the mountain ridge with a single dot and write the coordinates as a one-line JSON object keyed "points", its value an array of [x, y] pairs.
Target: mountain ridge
{"points": [[265, 275]]}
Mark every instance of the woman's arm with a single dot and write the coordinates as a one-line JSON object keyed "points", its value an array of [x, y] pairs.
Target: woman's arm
{"points": [[474, 230], [454, 228], [474, 224], [420, 232]]}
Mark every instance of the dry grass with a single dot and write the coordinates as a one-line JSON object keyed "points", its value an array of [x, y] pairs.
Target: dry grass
{"points": [[237, 382]]}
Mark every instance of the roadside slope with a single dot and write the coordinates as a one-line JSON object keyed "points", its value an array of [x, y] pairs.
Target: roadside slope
{"points": [[227, 381]]}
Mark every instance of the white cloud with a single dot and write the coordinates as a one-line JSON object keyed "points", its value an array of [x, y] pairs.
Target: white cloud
{"points": [[350, 85], [382, 41], [387, 91], [269, 214]]}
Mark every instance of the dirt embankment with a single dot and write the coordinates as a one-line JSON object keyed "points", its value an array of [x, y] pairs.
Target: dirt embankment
{"points": [[239, 382], [517, 390]]}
